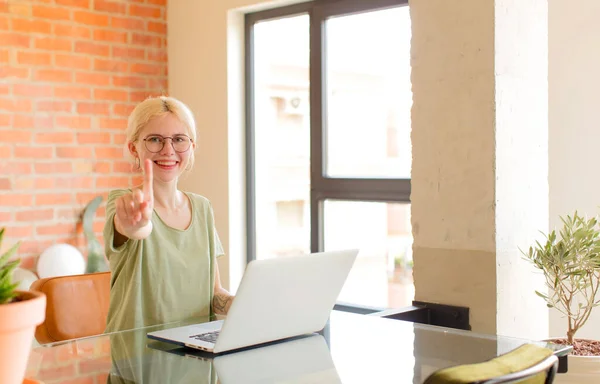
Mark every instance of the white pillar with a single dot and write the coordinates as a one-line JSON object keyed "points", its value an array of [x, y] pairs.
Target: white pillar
{"points": [[480, 157]]}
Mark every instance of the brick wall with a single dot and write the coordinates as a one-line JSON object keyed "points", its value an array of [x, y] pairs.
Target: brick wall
{"points": [[70, 73]]}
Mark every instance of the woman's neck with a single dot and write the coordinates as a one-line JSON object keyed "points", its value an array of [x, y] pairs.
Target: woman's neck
{"points": [[167, 196]]}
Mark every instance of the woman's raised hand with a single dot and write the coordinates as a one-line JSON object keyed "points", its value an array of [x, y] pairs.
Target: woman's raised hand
{"points": [[134, 210]]}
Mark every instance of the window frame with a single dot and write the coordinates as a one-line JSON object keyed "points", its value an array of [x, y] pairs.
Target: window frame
{"points": [[389, 190]]}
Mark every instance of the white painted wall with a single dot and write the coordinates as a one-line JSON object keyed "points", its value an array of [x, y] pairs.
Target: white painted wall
{"points": [[203, 67], [206, 67], [574, 117]]}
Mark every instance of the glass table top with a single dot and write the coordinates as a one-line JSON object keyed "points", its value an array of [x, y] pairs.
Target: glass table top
{"points": [[351, 349]]}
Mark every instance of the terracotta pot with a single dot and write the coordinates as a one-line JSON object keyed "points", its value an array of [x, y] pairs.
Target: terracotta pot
{"points": [[18, 321]]}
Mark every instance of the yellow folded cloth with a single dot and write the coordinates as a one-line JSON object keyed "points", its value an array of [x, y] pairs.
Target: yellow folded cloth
{"points": [[516, 360]]}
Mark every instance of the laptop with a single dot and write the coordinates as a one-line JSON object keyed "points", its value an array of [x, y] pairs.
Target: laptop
{"points": [[277, 299]]}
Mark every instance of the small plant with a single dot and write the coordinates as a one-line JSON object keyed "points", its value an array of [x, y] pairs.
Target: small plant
{"points": [[7, 287], [95, 257], [571, 265]]}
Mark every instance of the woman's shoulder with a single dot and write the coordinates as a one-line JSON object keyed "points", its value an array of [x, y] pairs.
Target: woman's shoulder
{"points": [[199, 200]]}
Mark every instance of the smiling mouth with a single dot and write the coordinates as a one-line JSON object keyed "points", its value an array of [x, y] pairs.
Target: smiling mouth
{"points": [[166, 164]]}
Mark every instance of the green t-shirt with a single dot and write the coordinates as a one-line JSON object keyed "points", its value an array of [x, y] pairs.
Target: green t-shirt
{"points": [[169, 276]]}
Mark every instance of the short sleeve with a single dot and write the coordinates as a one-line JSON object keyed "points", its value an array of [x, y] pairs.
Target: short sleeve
{"points": [[109, 224], [218, 246]]}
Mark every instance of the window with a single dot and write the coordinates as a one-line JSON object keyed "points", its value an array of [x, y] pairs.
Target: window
{"points": [[328, 140]]}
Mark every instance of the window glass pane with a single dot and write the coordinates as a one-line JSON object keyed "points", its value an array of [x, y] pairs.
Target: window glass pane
{"points": [[382, 273], [282, 134], [369, 96]]}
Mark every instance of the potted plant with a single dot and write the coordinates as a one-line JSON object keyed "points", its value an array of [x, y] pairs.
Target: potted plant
{"points": [[570, 263], [20, 313]]}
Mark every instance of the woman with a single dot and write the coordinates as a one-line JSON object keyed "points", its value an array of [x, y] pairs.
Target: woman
{"points": [[161, 243]]}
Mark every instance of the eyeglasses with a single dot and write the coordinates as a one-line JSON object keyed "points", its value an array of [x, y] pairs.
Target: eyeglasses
{"points": [[155, 143]]}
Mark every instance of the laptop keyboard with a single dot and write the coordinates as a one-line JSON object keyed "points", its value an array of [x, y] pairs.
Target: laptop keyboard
{"points": [[210, 337]]}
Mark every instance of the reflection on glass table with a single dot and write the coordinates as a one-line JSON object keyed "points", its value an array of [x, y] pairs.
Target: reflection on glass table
{"points": [[351, 349]]}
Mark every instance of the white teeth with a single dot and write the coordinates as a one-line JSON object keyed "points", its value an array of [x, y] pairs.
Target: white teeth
{"points": [[166, 163]]}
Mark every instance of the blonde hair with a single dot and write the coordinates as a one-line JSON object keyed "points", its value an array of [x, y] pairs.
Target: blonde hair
{"points": [[154, 107]]}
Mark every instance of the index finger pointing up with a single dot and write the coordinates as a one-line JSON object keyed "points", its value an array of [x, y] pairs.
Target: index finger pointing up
{"points": [[148, 180]]}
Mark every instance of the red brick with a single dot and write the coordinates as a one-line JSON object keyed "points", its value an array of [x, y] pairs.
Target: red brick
{"points": [[45, 182], [5, 184], [54, 75], [32, 90], [34, 246], [5, 120], [55, 167], [92, 48], [93, 108], [4, 25], [4, 55], [74, 3], [9, 39], [13, 231], [73, 92], [110, 65], [34, 152], [28, 121], [14, 73], [34, 215], [112, 123], [157, 27], [17, 137], [54, 13], [128, 53], [55, 138], [136, 97], [34, 58], [111, 95], [127, 23], [144, 11], [73, 152], [110, 6], [157, 2], [93, 138], [12, 105], [23, 168], [90, 18], [5, 153], [73, 61], [75, 182], [92, 78], [55, 229], [22, 9], [122, 109], [30, 26], [148, 69], [109, 153], [129, 81], [123, 167], [110, 36], [55, 106], [72, 31], [159, 55], [74, 122], [6, 216], [53, 44], [111, 182], [158, 86], [147, 40]]}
